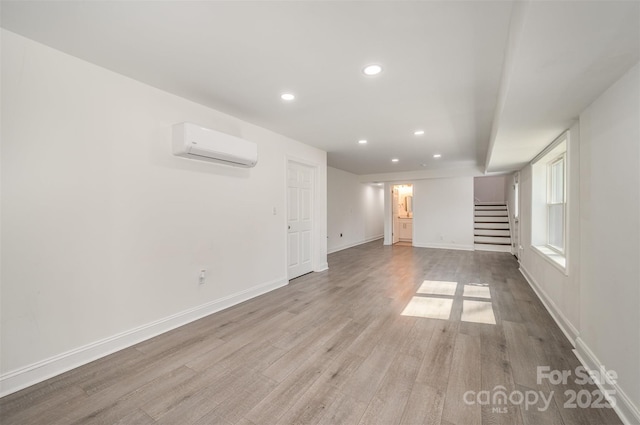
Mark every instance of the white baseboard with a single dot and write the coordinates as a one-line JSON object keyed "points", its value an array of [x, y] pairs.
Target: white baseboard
{"points": [[459, 247], [351, 245], [624, 407], [18, 379], [322, 267], [561, 320]]}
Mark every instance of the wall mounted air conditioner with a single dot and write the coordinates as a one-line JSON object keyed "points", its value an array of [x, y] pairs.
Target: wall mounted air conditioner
{"points": [[195, 142]]}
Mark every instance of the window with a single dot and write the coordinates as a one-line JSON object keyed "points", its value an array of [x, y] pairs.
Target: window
{"points": [[556, 204], [549, 226]]}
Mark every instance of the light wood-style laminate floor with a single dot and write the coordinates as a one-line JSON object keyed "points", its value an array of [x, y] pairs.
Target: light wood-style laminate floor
{"points": [[335, 348]]}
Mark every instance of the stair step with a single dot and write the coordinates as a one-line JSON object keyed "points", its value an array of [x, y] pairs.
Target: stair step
{"points": [[483, 213], [491, 207], [491, 232], [491, 225], [492, 219], [495, 240], [493, 248]]}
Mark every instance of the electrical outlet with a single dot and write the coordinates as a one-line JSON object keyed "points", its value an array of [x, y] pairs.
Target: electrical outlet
{"points": [[202, 276]]}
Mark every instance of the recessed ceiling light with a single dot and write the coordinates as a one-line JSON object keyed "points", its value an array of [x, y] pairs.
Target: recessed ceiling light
{"points": [[362, 142], [372, 70], [437, 155], [418, 132], [395, 160], [287, 96]]}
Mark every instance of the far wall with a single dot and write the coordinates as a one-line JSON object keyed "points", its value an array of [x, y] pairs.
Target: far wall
{"points": [[489, 189], [442, 213], [355, 211]]}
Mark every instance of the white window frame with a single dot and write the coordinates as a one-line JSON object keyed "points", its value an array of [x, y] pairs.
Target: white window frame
{"points": [[560, 158], [540, 193]]}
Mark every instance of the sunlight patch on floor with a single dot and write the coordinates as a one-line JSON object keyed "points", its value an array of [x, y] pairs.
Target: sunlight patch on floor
{"points": [[437, 287], [478, 312], [477, 290], [431, 308], [434, 300]]}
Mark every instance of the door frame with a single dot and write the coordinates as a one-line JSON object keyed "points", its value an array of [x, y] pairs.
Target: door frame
{"points": [[515, 250], [395, 225], [388, 209]]}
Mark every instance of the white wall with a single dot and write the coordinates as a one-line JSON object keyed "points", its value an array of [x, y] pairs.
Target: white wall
{"points": [[597, 303], [354, 209], [443, 213], [489, 188], [610, 229], [104, 230]]}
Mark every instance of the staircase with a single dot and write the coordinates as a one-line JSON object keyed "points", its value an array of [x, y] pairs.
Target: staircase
{"points": [[491, 229]]}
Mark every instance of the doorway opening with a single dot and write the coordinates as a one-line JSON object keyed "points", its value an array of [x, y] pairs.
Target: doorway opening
{"points": [[402, 214]]}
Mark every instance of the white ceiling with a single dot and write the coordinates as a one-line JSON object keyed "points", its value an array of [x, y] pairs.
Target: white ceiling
{"points": [[471, 74], [564, 55]]}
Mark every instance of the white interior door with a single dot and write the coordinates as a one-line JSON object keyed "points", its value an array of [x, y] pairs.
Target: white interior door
{"points": [[299, 218], [394, 216]]}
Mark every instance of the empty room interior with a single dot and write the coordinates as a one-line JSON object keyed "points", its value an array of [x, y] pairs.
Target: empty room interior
{"points": [[320, 212]]}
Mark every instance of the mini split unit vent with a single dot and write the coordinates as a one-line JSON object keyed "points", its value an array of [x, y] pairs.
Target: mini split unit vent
{"points": [[195, 142]]}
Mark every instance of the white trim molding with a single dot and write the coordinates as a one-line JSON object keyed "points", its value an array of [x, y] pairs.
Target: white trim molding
{"points": [[561, 320], [459, 247], [322, 267], [351, 245], [18, 379], [628, 412], [556, 260]]}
